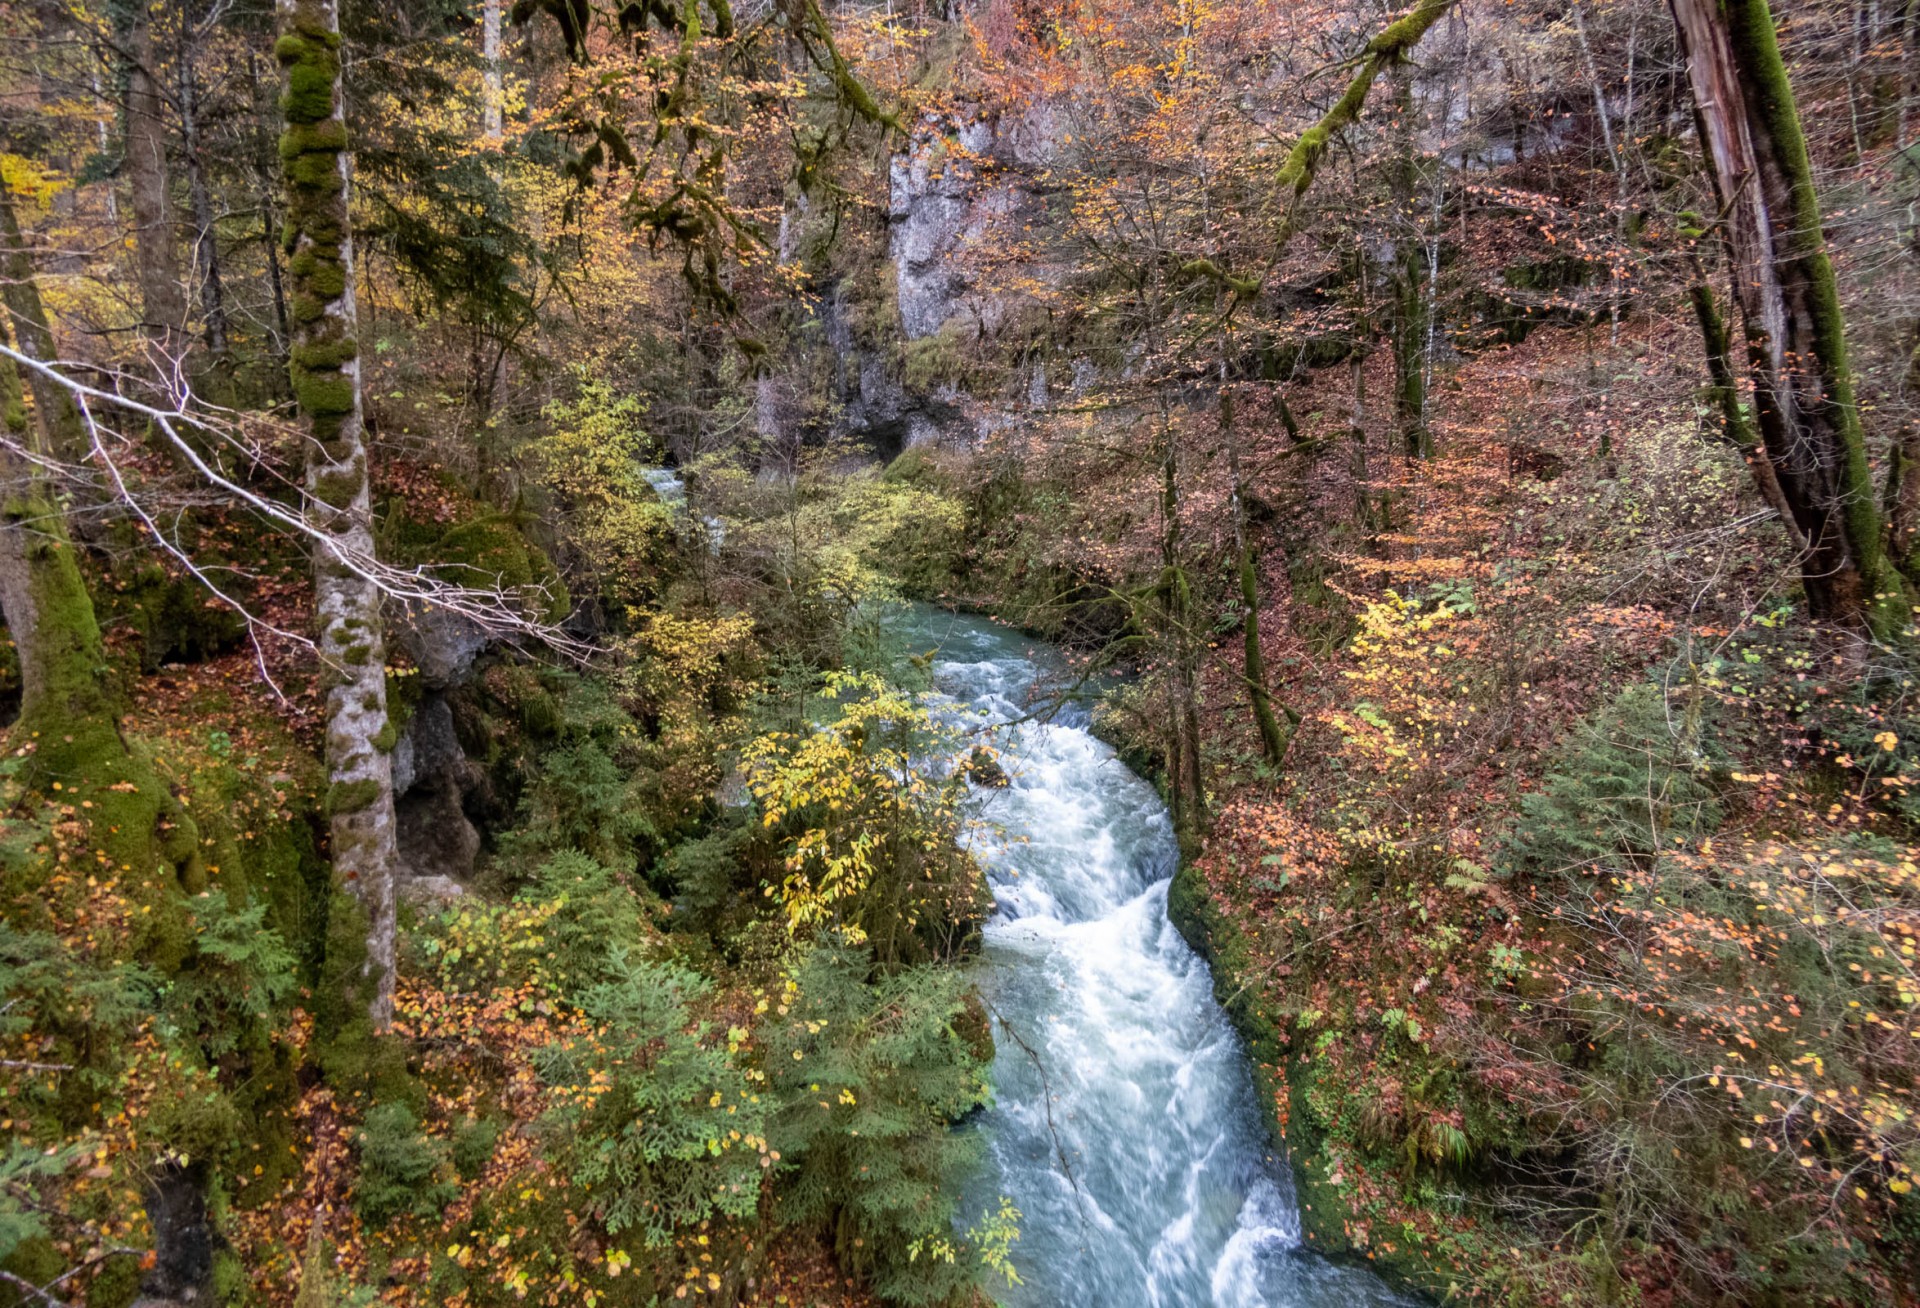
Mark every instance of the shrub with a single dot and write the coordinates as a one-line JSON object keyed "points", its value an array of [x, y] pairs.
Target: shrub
{"points": [[240, 973], [1631, 781], [403, 1172], [652, 1119], [871, 1076], [870, 839]]}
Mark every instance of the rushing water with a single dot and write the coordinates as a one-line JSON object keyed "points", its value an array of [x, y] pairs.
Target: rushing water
{"points": [[672, 490], [1125, 1126]]}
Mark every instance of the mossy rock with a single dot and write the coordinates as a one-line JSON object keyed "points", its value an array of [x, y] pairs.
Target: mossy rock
{"points": [[946, 358], [493, 551], [917, 465], [175, 619]]}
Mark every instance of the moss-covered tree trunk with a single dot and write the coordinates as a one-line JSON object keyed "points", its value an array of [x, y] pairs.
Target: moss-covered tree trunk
{"points": [[70, 703], [56, 413], [1790, 306], [1723, 388], [1408, 285], [326, 384], [65, 689], [1903, 481], [1186, 767], [1274, 738]]}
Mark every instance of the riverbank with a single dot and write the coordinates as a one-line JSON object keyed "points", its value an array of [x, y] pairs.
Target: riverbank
{"points": [[1328, 1215]]}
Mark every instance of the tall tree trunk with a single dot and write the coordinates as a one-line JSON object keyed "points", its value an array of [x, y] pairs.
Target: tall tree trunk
{"points": [[1274, 738], [63, 680], [1176, 601], [493, 115], [325, 373], [1790, 306], [1357, 439], [63, 434], [1723, 388], [263, 166], [1903, 479], [1408, 301], [206, 240], [1614, 161], [163, 305]]}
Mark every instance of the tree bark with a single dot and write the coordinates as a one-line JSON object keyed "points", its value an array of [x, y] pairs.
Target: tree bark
{"points": [[493, 115], [63, 436], [1790, 306], [1274, 738], [1408, 302], [1176, 600], [163, 305], [325, 374], [63, 663], [262, 168], [1903, 479], [206, 242], [1723, 388]]}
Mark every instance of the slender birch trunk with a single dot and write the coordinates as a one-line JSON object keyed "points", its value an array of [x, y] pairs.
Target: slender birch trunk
{"points": [[325, 373]]}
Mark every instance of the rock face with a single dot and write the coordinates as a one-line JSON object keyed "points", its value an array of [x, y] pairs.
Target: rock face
{"points": [[962, 185], [937, 200], [443, 645], [432, 780]]}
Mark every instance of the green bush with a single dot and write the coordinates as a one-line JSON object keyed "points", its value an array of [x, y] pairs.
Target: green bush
{"points": [[403, 1172], [709, 878], [241, 972], [1631, 780], [653, 1120], [588, 791], [595, 914], [871, 1076]]}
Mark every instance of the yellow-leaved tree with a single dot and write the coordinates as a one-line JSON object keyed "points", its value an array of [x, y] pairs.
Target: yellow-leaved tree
{"points": [[869, 809]]}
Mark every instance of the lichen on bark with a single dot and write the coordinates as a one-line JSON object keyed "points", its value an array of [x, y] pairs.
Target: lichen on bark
{"points": [[324, 370]]}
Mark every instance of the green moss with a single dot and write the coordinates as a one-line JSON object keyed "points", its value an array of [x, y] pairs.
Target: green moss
{"points": [[317, 171], [329, 280], [915, 466], [351, 796], [116, 1285], [942, 359], [356, 1062], [309, 94], [337, 489], [325, 429], [322, 393], [387, 737], [321, 355], [493, 551], [328, 137]]}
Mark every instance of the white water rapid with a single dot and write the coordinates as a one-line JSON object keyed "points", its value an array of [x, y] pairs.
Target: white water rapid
{"points": [[1124, 1124]]}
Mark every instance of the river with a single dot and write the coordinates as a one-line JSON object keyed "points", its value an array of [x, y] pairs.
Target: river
{"points": [[1124, 1124]]}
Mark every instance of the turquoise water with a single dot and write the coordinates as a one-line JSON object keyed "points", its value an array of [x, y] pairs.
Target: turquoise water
{"points": [[1125, 1126]]}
